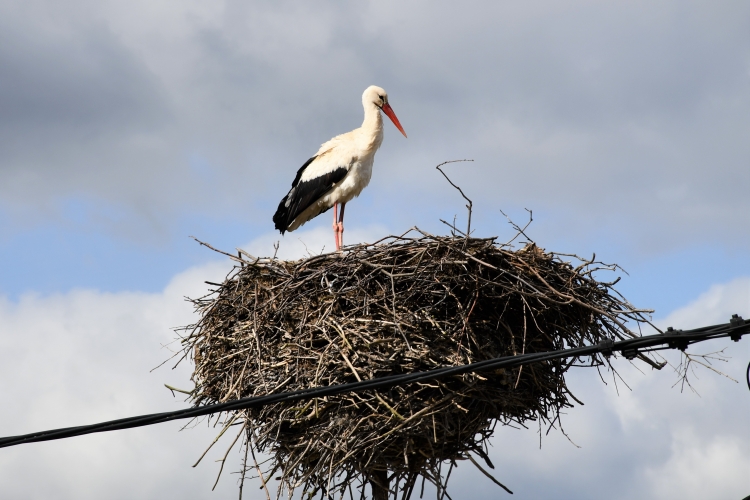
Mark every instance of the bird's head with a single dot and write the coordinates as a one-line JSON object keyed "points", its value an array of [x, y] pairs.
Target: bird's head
{"points": [[379, 97]]}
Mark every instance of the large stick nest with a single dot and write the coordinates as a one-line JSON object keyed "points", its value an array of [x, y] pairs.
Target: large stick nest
{"points": [[405, 304]]}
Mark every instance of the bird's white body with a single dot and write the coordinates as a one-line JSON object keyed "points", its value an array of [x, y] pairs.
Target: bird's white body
{"points": [[355, 151], [339, 171]]}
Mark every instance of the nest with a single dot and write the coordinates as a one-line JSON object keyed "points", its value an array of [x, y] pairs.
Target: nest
{"points": [[410, 303]]}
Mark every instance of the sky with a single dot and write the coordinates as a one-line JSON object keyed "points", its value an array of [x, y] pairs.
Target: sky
{"points": [[127, 127]]}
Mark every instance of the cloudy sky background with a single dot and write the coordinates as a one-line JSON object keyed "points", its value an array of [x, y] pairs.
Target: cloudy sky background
{"points": [[125, 127]]}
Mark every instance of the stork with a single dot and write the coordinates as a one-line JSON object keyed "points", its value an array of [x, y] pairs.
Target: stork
{"points": [[338, 172]]}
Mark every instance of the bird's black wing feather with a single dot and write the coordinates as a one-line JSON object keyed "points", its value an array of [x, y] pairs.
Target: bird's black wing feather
{"points": [[302, 169], [303, 194]]}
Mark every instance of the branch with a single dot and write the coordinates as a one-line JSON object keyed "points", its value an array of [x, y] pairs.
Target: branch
{"points": [[519, 229], [492, 478], [468, 228]]}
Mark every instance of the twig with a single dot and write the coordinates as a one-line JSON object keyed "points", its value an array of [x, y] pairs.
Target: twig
{"points": [[468, 225], [224, 459], [255, 461], [175, 389], [231, 256], [492, 478], [520, 230], [216, 439]]}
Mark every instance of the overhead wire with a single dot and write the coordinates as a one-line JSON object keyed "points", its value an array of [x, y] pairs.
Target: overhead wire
{"points": [[629, 348]]}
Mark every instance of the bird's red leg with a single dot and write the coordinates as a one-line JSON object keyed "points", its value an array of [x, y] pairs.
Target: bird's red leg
{"points": [[335, 225], [341, 226]]}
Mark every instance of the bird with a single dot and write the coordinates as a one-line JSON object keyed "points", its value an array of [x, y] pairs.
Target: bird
{"points": [[338, 172]]}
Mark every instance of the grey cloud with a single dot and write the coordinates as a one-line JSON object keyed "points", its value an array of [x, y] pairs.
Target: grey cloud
{"points": [[69, 105], [85, 82], [640, 109]]}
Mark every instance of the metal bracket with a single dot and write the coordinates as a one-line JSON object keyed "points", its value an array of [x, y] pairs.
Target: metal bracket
{"points": [[630, 353], [680, 344], [606, 346], [736, 321]]}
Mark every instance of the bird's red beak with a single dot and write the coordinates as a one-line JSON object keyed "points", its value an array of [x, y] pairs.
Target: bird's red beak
{"points": [[388, 110]]}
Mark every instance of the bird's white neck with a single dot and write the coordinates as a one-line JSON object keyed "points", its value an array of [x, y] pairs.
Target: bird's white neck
{"points": [[372, 126]]}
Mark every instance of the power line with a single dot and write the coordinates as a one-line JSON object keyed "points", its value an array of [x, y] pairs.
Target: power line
{"points": [[630, 348]]}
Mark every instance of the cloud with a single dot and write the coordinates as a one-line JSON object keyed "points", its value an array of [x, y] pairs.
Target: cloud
{"points": [[76, 105], [125, 124], [637, 109], [700, 469], [84, 356], [309, 242], [652, 442], [715, 305]]}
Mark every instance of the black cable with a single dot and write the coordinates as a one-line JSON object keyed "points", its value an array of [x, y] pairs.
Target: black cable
{"points": [[630, 348]]}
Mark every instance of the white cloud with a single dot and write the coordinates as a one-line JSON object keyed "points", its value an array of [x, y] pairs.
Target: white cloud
{"points": [[312, 241], [84, 356], [653, 442], [716, 305], [700, 467]]}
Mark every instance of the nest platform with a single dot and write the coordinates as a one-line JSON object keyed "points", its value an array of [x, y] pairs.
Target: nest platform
{"points": [[408, 303]]}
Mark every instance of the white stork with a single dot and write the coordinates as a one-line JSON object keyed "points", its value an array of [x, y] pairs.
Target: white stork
{"points": [[338, 172]]}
